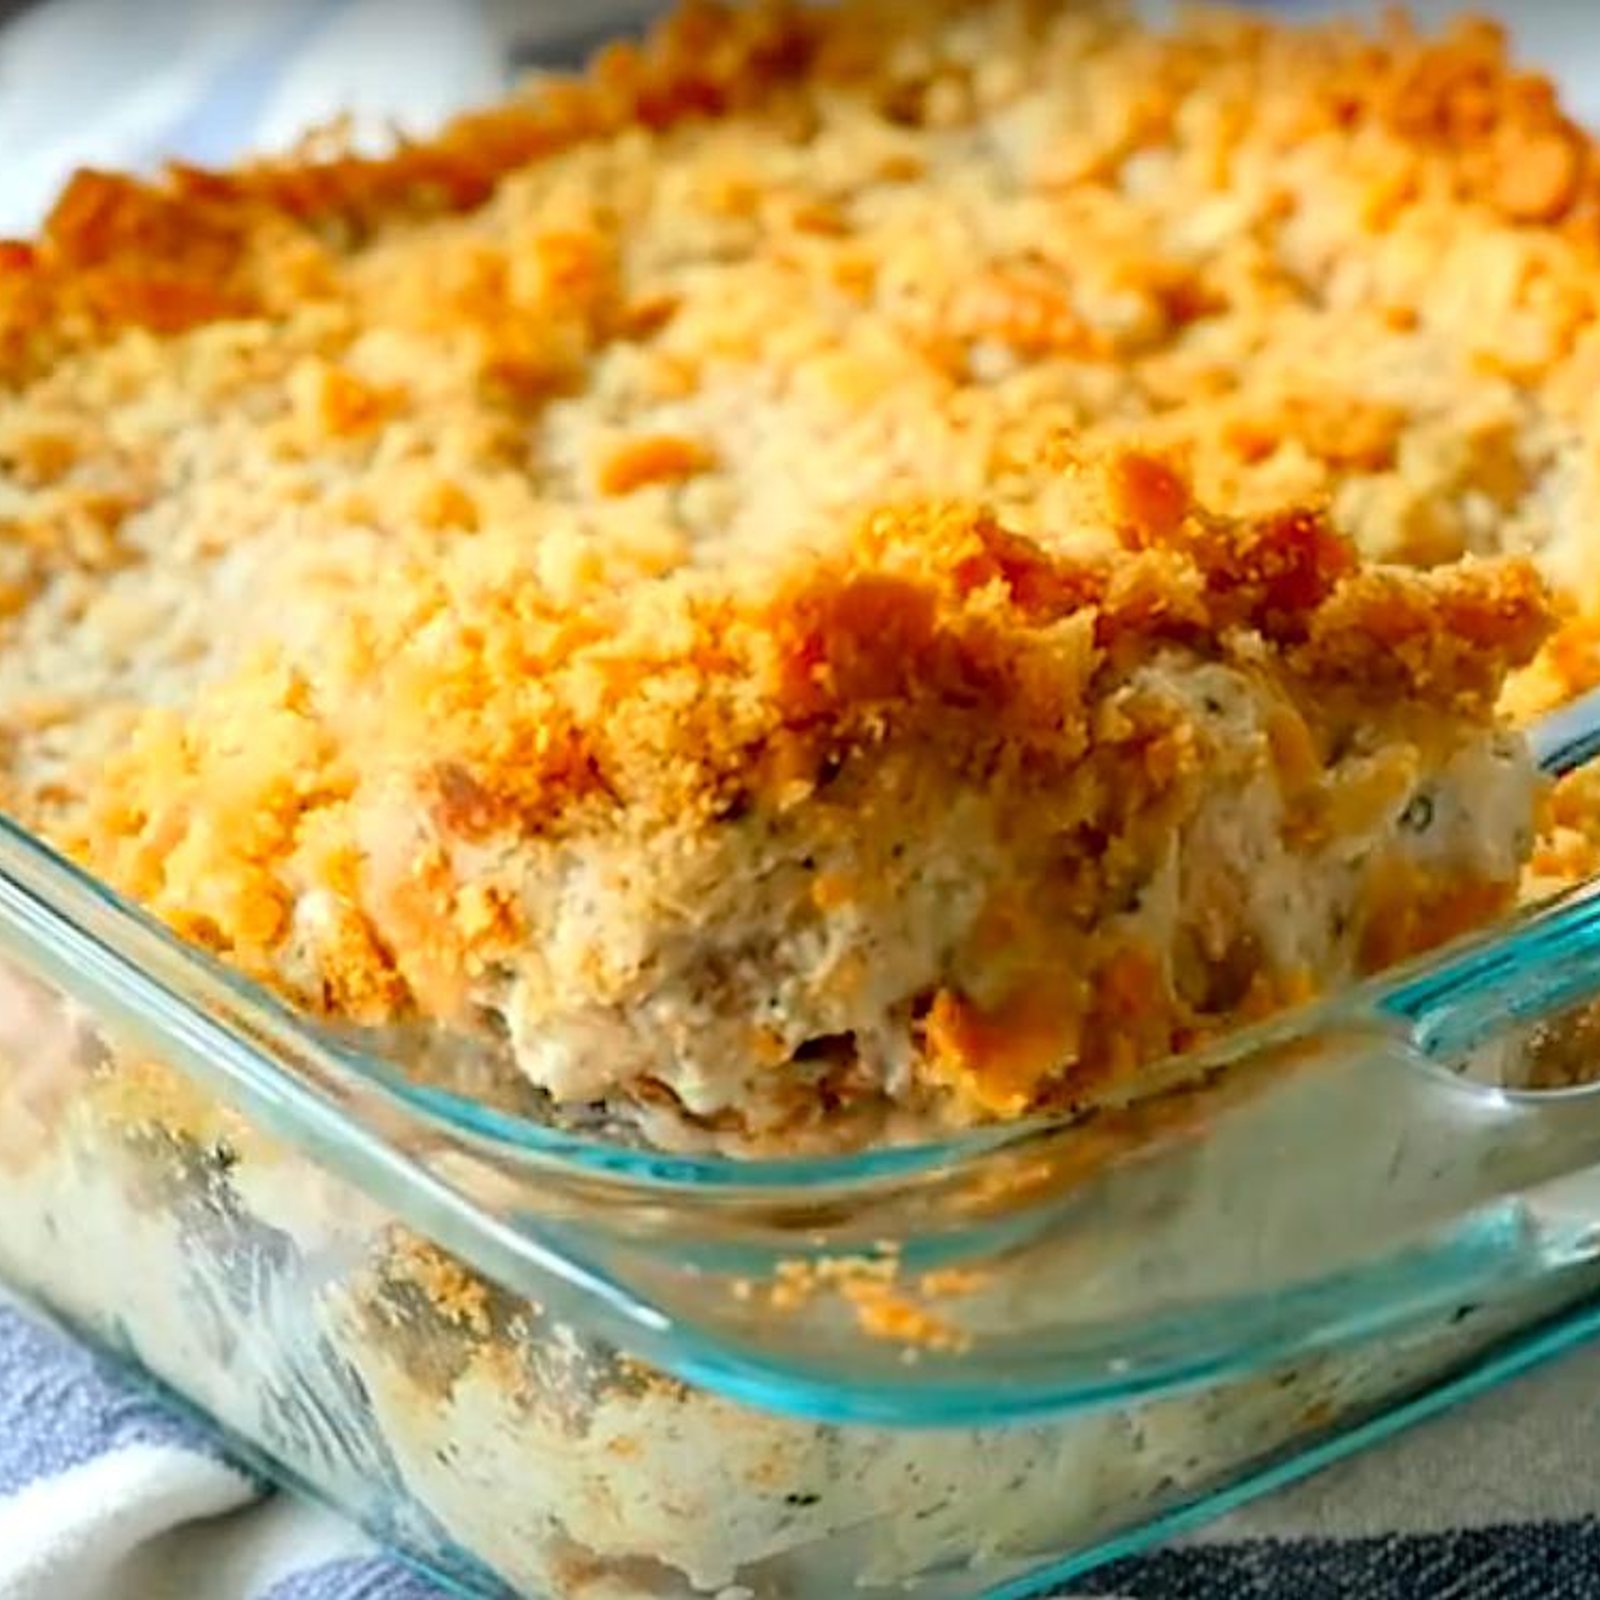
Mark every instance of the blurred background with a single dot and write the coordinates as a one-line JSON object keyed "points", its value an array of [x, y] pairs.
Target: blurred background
{"points": [[123, 83], [128, 82]]}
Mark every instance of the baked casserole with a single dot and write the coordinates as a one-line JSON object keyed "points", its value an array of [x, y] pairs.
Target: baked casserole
{"points": [[853, 571]]}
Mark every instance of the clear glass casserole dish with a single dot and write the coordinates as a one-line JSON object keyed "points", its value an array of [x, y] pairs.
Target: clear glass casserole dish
{"points": [[564, 1368]]}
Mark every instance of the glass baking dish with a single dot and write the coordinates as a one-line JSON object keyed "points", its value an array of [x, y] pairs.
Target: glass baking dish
{"points": [[557, 1366]]}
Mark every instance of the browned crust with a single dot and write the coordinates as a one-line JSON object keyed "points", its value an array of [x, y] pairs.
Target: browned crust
{"points": [[930, 628], [197, 245], [501, 711]]}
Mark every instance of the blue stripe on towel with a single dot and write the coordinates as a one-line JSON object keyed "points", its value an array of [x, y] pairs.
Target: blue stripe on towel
{"points": [[372, 1579], [1552, 1561], [1534, 1561], [61, 1406]]}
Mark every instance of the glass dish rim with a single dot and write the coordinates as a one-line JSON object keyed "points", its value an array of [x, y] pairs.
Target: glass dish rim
{"points": [[1404, 998], [323, 1103]]}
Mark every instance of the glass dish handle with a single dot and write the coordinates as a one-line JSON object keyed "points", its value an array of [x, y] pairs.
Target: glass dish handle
{"points": [[1343, 1172]]}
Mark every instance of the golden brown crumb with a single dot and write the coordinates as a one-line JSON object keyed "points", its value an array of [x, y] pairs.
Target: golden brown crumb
{"points": [[459, 1295], [655, 458], [881, 1307]]}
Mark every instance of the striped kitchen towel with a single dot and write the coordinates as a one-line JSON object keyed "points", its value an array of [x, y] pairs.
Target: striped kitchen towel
{"points": [[105, 1494]]}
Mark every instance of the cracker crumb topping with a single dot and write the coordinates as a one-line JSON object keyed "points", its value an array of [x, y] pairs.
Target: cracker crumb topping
{"points": [[867, 412]]}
